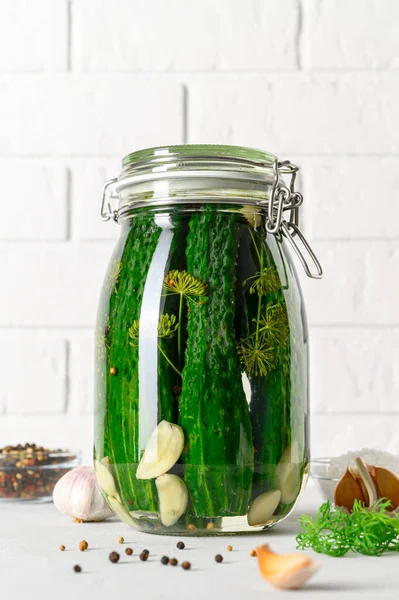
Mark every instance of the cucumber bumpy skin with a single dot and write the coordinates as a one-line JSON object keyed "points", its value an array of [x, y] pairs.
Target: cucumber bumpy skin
{"points": [[270, 393], [213, 411], [122, 411]]}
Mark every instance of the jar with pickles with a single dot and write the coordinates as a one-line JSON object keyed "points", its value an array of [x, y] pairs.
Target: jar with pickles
{"points": [[202, 413]]}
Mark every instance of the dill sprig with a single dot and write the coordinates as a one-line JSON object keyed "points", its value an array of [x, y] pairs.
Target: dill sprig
{"points": [[185, 284], [167, 328], [266, 281], [370, 531], [273, 326], [257, 358], [113, 275]]}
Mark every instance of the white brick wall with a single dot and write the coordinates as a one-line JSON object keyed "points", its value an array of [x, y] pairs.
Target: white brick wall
{"points": [[83, 82]]}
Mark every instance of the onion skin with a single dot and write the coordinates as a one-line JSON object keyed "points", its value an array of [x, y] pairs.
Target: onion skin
{"points": [[77, 495]]}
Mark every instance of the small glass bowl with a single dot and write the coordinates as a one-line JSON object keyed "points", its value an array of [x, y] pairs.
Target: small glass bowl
{"points": [[327, 471], [325, 475], [30, 473]]}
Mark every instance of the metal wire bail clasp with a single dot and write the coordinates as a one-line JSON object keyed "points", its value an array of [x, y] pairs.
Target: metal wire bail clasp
{"points": [[106, 210], [289, 230], [283, 199]]}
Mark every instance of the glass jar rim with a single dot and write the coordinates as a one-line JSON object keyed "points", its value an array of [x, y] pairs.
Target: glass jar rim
{"points": [[189, 152]]}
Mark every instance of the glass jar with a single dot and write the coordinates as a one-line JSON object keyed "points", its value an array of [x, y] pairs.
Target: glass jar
{"points": [[202, 344]]}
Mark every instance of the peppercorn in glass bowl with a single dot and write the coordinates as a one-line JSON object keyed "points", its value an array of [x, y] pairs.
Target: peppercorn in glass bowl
{"points": [[30, 472]]}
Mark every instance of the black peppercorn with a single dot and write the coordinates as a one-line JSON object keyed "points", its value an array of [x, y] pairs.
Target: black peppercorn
{"points": [[165, 560], [219, 558], [114, 557], [145, 551], [180, 545], [186, 565], [173, 562], [129, 551], [77, 569], [143, 556]]}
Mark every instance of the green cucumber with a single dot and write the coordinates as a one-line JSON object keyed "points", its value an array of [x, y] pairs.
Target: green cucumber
{"points": [[122, 416], [213, 411], [270, 392]]}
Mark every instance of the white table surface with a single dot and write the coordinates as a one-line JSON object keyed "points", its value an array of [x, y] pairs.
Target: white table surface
{"points": [[32, 567]]}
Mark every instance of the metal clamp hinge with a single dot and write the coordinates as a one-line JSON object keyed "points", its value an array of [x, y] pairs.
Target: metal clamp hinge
{"points": [[283, 198], [106, 210]]}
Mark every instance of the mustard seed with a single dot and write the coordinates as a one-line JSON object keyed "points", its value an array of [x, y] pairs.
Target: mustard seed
{"points": [[83, 545], [229, 548], [62, 547], [120, 540], [252, 552], [113, 371], [210, 526]]}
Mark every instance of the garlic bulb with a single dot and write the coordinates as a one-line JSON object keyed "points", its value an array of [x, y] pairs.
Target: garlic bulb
{"points": [[77, 495]]}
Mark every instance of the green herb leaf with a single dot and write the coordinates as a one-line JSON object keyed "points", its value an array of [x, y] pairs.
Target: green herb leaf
{"points": [[370, 531]]}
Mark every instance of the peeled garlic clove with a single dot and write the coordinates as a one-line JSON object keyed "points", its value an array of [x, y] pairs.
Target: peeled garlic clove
{"points": [[173, 498], [162, 452], [263, 507], [347, 491], [288, 474], [252, 215], [388, 485], [121, 511], [77, 495], [285, 571], [105, 478]]}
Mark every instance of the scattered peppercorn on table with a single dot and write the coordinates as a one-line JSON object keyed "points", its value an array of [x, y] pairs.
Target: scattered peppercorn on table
{"points": [[32, 565]]}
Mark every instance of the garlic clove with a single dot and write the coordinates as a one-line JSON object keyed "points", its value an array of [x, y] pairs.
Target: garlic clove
{"points": [[121, 511], [388, 485], [347, 491], [263, 507], [162, 452], [252, 214], [354, 471], [288, 474], [77, 495], [173, 498], [370, 493], [105, 478], [285, 571]]}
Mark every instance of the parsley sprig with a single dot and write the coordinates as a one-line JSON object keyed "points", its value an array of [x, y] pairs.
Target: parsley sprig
{"points": [[370, 531]]}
